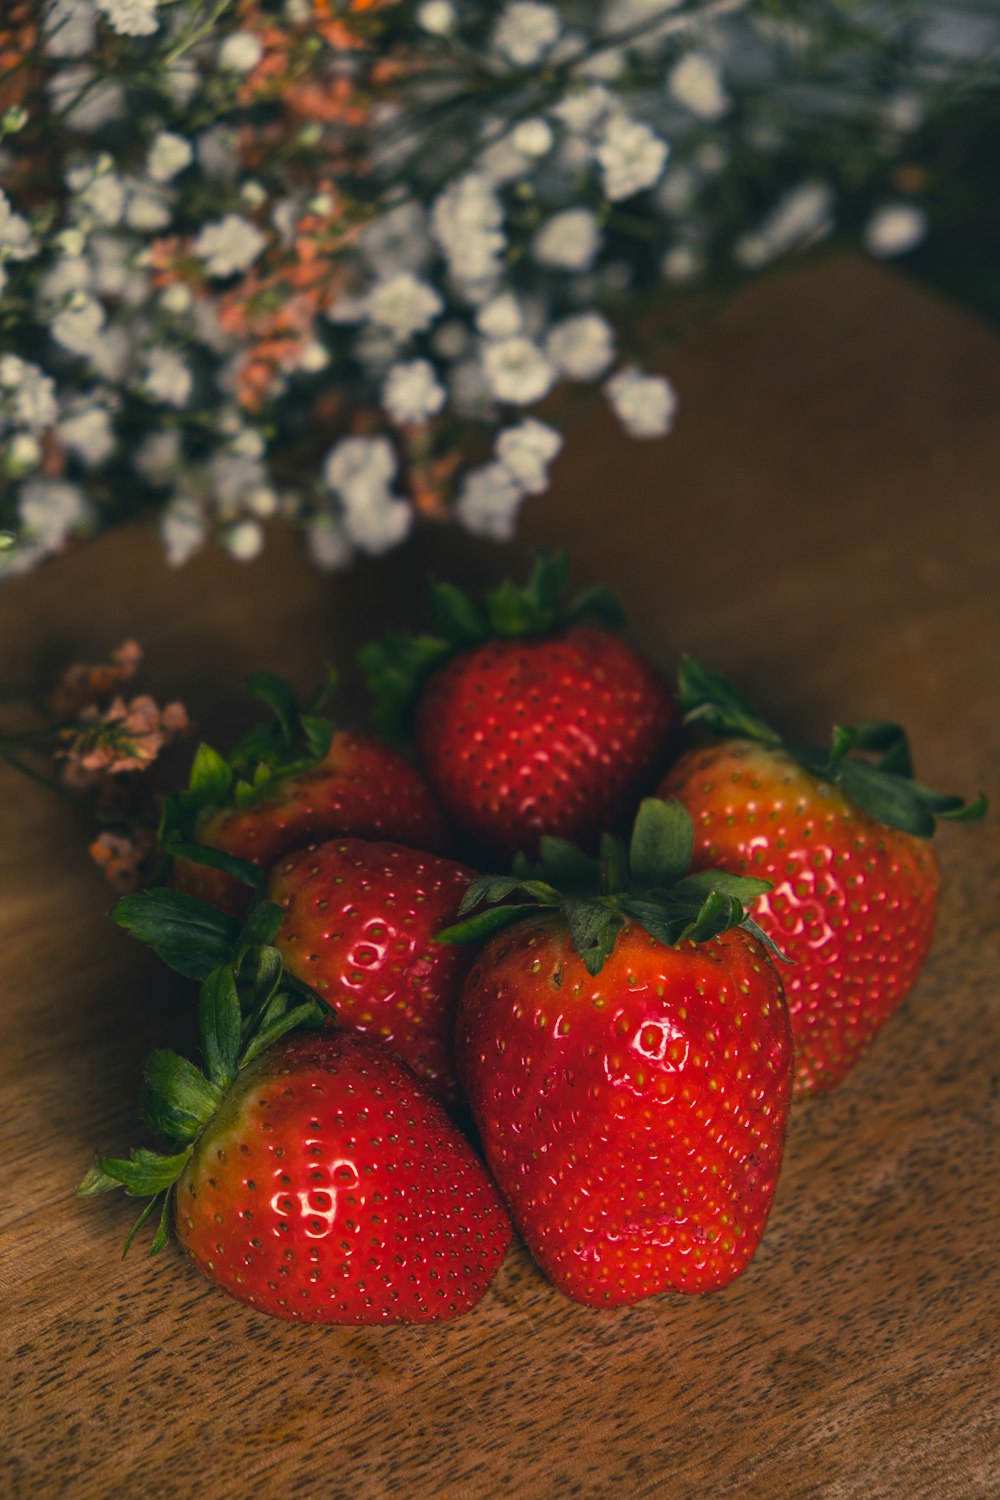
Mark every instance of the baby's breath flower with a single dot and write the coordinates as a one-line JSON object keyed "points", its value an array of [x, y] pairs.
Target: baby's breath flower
{"points": [[412, 392], [230, 245], [581, 347], [488, 502], [526, 451], [894, 229], [525, 32], [404, 304], [569, 241], [517, 371], [696, 83], [131, 17], [631, 157], [169, 154], [644, 404]]}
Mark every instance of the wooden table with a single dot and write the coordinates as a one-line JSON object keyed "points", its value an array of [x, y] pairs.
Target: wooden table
{"points": [[824, 525]]}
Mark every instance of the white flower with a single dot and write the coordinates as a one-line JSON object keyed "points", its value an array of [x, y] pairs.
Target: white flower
{"points": [[50, 510], [682, 264], [111, 354], [397, 240], [359, 462], [403, 304], [583, 108], [895, 228], [801, 216], [148, 211], [312, 358], [16, 241], [568, 241], [87, 105], [169, 154], [131, 17], [217, 150], [581, 347], [327, 543], [240, 52], [532, 137], [78, 325], [33, 404], [176, 298], [631, 157], [644, 404], [526, 451], [525, 32], [69, 28], [500, 317], [488, 502], [158, 454], [377, 522], [182, 530], [229, 245], [466, 221], [244, 541], [438, 17], [470, 392], [517, 371], [167, 378], [696, 83], [103, 198], [24, 451], [88, 434], [412, 392]]}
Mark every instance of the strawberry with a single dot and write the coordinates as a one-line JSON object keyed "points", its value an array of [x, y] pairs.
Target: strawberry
{"points": [[845, 842], [527, 721], [626, 1054], [282, 789], [312, 1176], [358, 927]]}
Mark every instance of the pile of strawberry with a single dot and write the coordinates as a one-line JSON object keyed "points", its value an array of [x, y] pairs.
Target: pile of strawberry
{"points": [[691, 922]]}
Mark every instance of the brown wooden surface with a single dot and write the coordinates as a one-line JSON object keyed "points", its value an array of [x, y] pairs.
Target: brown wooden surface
{"points": [[824, 524]]}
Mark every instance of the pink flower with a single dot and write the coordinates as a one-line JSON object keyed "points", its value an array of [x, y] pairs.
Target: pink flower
{"points": [[82, 685], [123, 861], [122, 737]]}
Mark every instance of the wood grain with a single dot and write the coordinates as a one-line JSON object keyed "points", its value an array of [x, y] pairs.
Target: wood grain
{"points": [[822, 524]]}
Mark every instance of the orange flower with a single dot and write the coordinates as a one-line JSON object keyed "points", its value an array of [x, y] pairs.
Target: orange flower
{"points": [[124, 862], [82, 685]]}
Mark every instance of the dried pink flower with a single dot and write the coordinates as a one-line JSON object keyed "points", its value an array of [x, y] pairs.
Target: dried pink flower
{"points": [[124, 736], [82, 684], [124, 862]]}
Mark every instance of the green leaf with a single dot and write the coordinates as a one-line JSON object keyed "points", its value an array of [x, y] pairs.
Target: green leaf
{"points": [[886, 798], [178, 1100], [660, 919], [485, 923], [712, 701], [843, 740], [749, 925], [718, 913], [567, 868], [488, 888], [144, 1172], [515, 612], [280, 698], [318, 736], [277, 1022], [597, 603], [890, 741], [147, 1211], [548, 580], [211, 777], [456, 618], [163, 1228], [267, 976], [594, 928], [188, 934], [216, 859], [968, 812], [262, 923], [220, 1019], [396, 668], [662, 843], [745, 888], [96, 1182]]}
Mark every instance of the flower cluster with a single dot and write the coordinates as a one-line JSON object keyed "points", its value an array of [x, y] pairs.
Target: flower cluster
{"points": [[324, 260], [98, 737]]}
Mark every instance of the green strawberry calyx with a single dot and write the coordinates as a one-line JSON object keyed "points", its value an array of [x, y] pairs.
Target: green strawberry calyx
{"points": [[883, 787], [645, 881], [246, 1003], [398, 665], [294, 741]]}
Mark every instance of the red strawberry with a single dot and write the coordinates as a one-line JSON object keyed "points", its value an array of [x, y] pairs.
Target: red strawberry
{"points": [[290, 787], [627, 1059], [846, 845], [358, 928], [318, 1181], [552, 727]]}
